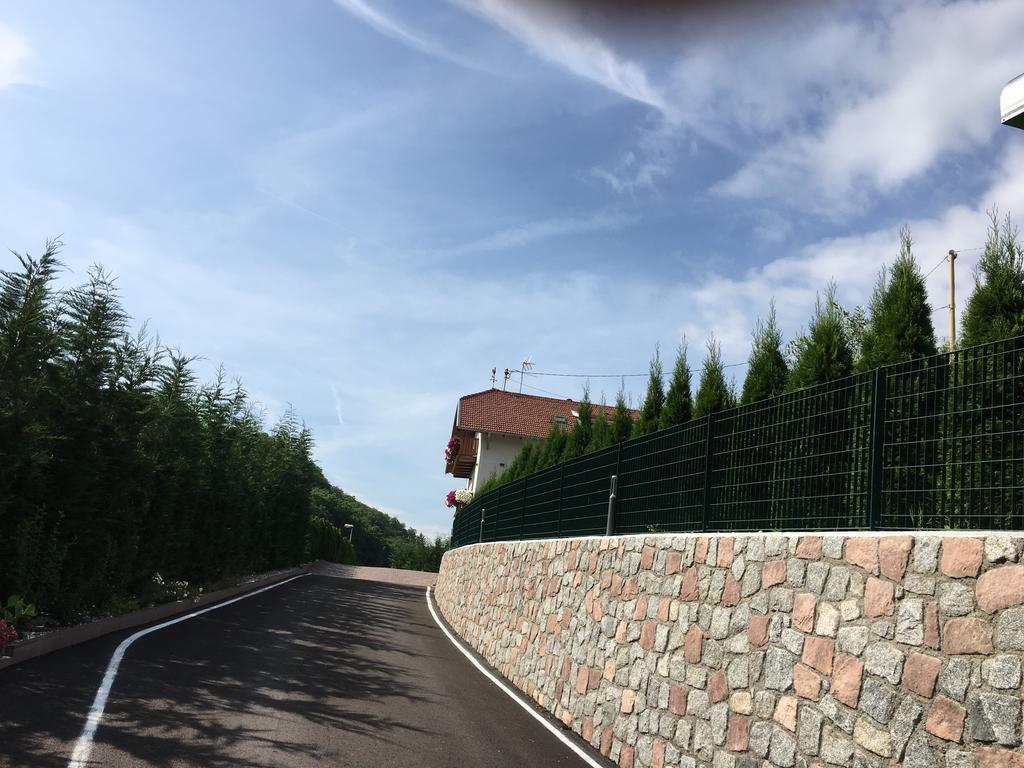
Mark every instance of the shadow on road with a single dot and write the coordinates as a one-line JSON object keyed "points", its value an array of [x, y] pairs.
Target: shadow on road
{"points": [[275, 680]]}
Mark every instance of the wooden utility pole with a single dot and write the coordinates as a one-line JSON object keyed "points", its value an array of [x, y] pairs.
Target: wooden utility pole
{"points": [[952, 300]]}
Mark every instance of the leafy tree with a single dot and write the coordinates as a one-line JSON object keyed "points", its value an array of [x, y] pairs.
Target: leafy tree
{"points": [[622, 419], [900, 325], [767, 371], [650, 411], [714, 394], [995, 309], [823, 353], [678, 408], [117, 465]]}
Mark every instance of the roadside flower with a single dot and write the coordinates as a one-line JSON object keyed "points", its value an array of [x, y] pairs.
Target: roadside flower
{"points": [[7, 635]]}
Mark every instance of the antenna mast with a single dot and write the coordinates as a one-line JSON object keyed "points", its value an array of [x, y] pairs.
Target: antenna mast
{"points": [[527, 365]]}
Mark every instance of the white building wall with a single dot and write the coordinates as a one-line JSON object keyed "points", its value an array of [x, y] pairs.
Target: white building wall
{"points": [[494, 454]]}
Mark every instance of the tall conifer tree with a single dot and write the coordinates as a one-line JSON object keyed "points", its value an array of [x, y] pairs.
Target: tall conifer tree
{"points": [[678, 408], [995, 309], [622, 420], [714, 393], [823, 353], [650, 411], [767, 371], [900, 317], [583, 429]]}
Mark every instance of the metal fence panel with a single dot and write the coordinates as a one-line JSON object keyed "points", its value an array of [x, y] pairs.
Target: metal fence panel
{"points": [[661, 481], [935, 443], [954, 440], [799, 460]]}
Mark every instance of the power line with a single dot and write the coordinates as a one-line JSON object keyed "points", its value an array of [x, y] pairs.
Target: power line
{"points": [[944, 260]]}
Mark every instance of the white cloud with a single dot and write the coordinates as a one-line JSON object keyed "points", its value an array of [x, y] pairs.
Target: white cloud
{"points": [[558, 34], [14, 52], [391, 27], [826, 108], [728, 304], [917, 86]]}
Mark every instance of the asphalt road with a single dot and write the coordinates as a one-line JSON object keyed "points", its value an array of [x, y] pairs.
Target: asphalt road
{"points": [[318, 672]]}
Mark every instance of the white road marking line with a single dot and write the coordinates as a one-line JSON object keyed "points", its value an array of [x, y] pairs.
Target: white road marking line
{"points": [[533, 713], [83, 747]]}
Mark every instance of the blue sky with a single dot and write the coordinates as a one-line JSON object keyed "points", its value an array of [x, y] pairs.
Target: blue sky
{"points": [[360, 207]]}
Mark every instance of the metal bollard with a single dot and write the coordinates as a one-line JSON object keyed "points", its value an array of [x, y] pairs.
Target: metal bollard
{"points": [[610, 527]]}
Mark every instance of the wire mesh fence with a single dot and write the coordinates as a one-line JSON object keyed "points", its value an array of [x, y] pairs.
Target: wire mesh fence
{"points": [[934, 443]]}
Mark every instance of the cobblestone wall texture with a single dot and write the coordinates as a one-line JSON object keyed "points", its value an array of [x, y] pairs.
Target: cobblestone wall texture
{"points": [[750, 651]]}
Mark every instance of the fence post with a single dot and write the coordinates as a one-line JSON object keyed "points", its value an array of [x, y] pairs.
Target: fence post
{"points": [[877, 443], [708, 469], [561, 492], [610, 527], [483, 510]]}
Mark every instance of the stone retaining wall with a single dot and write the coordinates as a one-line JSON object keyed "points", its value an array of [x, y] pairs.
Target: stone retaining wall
{"points": [[753, 650]]}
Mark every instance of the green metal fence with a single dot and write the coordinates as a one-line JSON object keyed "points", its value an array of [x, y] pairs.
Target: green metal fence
{"points": [[935, 443]]}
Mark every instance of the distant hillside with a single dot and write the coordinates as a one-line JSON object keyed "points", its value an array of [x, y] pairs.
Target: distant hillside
{"points": [[379, 538]]}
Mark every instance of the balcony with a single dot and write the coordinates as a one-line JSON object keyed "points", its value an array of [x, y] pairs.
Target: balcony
{"points": [[464, 461]]}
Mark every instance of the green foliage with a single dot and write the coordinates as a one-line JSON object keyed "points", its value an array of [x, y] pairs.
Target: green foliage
{"points": [[678, 408], [582, 430], [650, 411], [714, 394], [376, 534], [995, 309], [767, 371], [16, 611], [900, 326], [325, 541], [603, 436], [622, 419], [117, 465], [823, 353], [420, 554], [554, 448]]}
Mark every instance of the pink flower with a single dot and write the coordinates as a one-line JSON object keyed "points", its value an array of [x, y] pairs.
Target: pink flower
{"points": [[8, 634], [450, 499]]}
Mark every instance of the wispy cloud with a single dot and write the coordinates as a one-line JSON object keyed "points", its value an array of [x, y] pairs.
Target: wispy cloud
{"points": [[391, 27], [14, 52], [557, 33], [535, 231]]}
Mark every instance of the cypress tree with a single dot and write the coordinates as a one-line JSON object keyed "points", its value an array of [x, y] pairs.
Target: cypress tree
{"points": [[602, 437], [995, 309], [900, 324], [714, 394], [554, 447], [650, 411], [767, 371], [622, 420], [823, 353], [583, 429], [678, 407]]}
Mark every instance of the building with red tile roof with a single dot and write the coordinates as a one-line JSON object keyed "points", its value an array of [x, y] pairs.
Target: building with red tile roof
{"points": [[492, 426]]}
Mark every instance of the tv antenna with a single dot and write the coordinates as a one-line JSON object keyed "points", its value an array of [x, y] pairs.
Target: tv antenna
{"points": [[494, 377], [527, 365]]}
